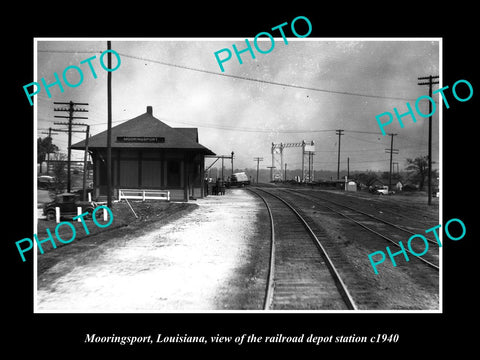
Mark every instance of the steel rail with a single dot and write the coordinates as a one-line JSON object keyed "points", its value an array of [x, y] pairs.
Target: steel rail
{"points": [[370, 229], [399, 202], [364, 213], [267, 304], [346, 296]]}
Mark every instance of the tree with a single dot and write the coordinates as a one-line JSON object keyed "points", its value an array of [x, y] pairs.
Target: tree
{"points": [[367, 178], [418, 170], [59, 171], [395, 177], [44, 147]]}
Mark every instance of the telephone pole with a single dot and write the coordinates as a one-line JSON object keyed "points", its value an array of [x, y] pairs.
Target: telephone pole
{"points": [[258, 159], [71, 109], [109, 126], [310, 165], [391, 151], [348, 168], [430, 83], [339, 133], [85, 168]]}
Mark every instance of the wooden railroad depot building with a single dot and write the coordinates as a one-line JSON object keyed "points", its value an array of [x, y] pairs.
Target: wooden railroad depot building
{"points": [[149, 154]]}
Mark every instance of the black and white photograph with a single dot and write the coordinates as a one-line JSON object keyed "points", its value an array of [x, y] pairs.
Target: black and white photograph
{"points": [[248, 190], [239, 182]]}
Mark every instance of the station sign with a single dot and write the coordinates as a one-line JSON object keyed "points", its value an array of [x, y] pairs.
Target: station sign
{"points": [[140, 139]]}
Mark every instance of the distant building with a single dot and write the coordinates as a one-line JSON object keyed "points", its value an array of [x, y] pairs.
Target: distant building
{"points": [[399, 185], [148, 154], [350, 186], [377, 182]]}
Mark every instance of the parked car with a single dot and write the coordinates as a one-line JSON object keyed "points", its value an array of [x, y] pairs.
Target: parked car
{"points": [[45, 182], [383, 190], [68, 203]]}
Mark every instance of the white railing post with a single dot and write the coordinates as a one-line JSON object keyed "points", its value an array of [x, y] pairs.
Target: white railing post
{"points": [[57, 214], [79, 212]]}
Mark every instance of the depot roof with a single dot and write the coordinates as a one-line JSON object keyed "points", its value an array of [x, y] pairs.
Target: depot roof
{"points": [[146, 131]]}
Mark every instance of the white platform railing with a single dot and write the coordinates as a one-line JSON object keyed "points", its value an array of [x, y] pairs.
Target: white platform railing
{"points": [[143, 194]]}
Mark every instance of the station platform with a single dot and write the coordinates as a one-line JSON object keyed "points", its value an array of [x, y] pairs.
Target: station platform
{"points": [[202, 261]]}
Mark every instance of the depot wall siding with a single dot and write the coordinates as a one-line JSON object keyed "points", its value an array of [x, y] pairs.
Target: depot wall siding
{"points": [[151, 173], [179, 172]]}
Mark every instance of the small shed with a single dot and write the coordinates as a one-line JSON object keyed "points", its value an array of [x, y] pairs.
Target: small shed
{"points": [[149, 154], [350, 186]]}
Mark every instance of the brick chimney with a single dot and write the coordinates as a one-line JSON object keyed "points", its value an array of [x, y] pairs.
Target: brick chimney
{"points": [[149, 110]]}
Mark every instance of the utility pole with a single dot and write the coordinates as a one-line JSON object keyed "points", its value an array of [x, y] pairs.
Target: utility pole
{"points": [[396, 164], [285, 176], [339, 133], [222, 167], [430, 83], [85, 167], [273, 159], [109, 126], [303, 162], [257, 159], [86, 147], [70, 118], [391, 151], [310, 165], [48, 153], [348, 168], [232, 162]]}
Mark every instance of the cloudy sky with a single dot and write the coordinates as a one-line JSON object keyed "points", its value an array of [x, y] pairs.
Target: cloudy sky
{"points": [[307, 90]]}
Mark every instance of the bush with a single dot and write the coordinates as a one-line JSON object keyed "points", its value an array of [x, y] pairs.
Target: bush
{"points": [[409, 187]]}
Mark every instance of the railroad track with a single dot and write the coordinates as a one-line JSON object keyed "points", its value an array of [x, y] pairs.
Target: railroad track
{"points": [[301, 276], [422, 219], [355, 210], [364, 220]]}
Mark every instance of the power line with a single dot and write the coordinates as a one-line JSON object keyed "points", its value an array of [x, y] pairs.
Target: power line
{"points": [[296, 163], [365, 132], [263, 81], [71, 51], [245, 129]]}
